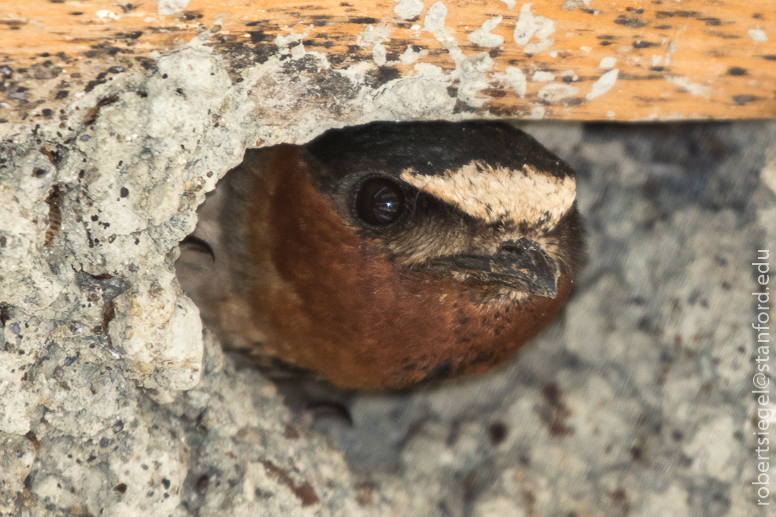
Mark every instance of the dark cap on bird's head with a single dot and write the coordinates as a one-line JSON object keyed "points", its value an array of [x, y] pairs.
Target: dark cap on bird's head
{"points": [[479, 200], [388, 254]]}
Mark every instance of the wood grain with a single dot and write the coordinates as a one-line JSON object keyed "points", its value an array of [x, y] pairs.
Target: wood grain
{"points": [[673, 60]]}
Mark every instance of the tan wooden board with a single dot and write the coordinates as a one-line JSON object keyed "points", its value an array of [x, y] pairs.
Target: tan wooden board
{"points": [[559, 59]]}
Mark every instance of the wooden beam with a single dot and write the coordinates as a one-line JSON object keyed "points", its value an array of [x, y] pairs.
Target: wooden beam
{"points": [[553, 59]]}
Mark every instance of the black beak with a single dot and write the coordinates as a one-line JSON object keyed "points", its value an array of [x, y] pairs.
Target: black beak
{"points": [[521, 263]]}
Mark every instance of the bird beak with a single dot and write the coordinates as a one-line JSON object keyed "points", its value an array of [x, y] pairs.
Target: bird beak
{"points": [[522, 263]]}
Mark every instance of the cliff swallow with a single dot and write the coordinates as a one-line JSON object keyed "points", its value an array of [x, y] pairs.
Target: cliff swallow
{"points": [[388, 254]]}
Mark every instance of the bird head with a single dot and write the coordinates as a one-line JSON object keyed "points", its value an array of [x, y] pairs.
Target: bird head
{"points": [[390, 254], [480, 202]]}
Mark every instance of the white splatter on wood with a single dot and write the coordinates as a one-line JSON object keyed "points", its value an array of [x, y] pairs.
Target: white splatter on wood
{"points": [[168, 7], [408, 9], [515, 79], [105, 15], [537, 113], [607, 62], [556, 92], [529, 26], [603, 84], [691, 88], [757, 35], [543, 76], [469, 70], [525, 26], [409, 56], [473, 78], [484, 38], [374, 37], [570, 5]]}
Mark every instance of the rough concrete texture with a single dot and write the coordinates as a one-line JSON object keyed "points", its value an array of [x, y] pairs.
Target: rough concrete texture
{"points": [[111, 403], [97, 338]]}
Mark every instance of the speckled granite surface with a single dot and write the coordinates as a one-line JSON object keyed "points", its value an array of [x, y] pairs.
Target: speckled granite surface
{"points": [[636, 401]]}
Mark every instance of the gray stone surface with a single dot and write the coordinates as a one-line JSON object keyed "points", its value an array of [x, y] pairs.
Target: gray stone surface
{"points": [[635, 402]]}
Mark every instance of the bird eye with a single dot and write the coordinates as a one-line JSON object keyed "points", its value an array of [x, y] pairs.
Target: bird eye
{"points": [[379, 201]]}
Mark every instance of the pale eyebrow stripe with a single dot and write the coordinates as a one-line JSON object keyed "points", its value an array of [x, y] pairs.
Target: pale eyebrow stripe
{"points": [[500, 194]]}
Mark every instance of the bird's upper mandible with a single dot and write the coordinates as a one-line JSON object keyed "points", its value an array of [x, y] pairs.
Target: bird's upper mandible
{"points": [[389, 254]]}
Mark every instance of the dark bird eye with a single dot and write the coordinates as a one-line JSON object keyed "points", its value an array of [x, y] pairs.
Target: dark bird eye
{"points": [[379, 201]]}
